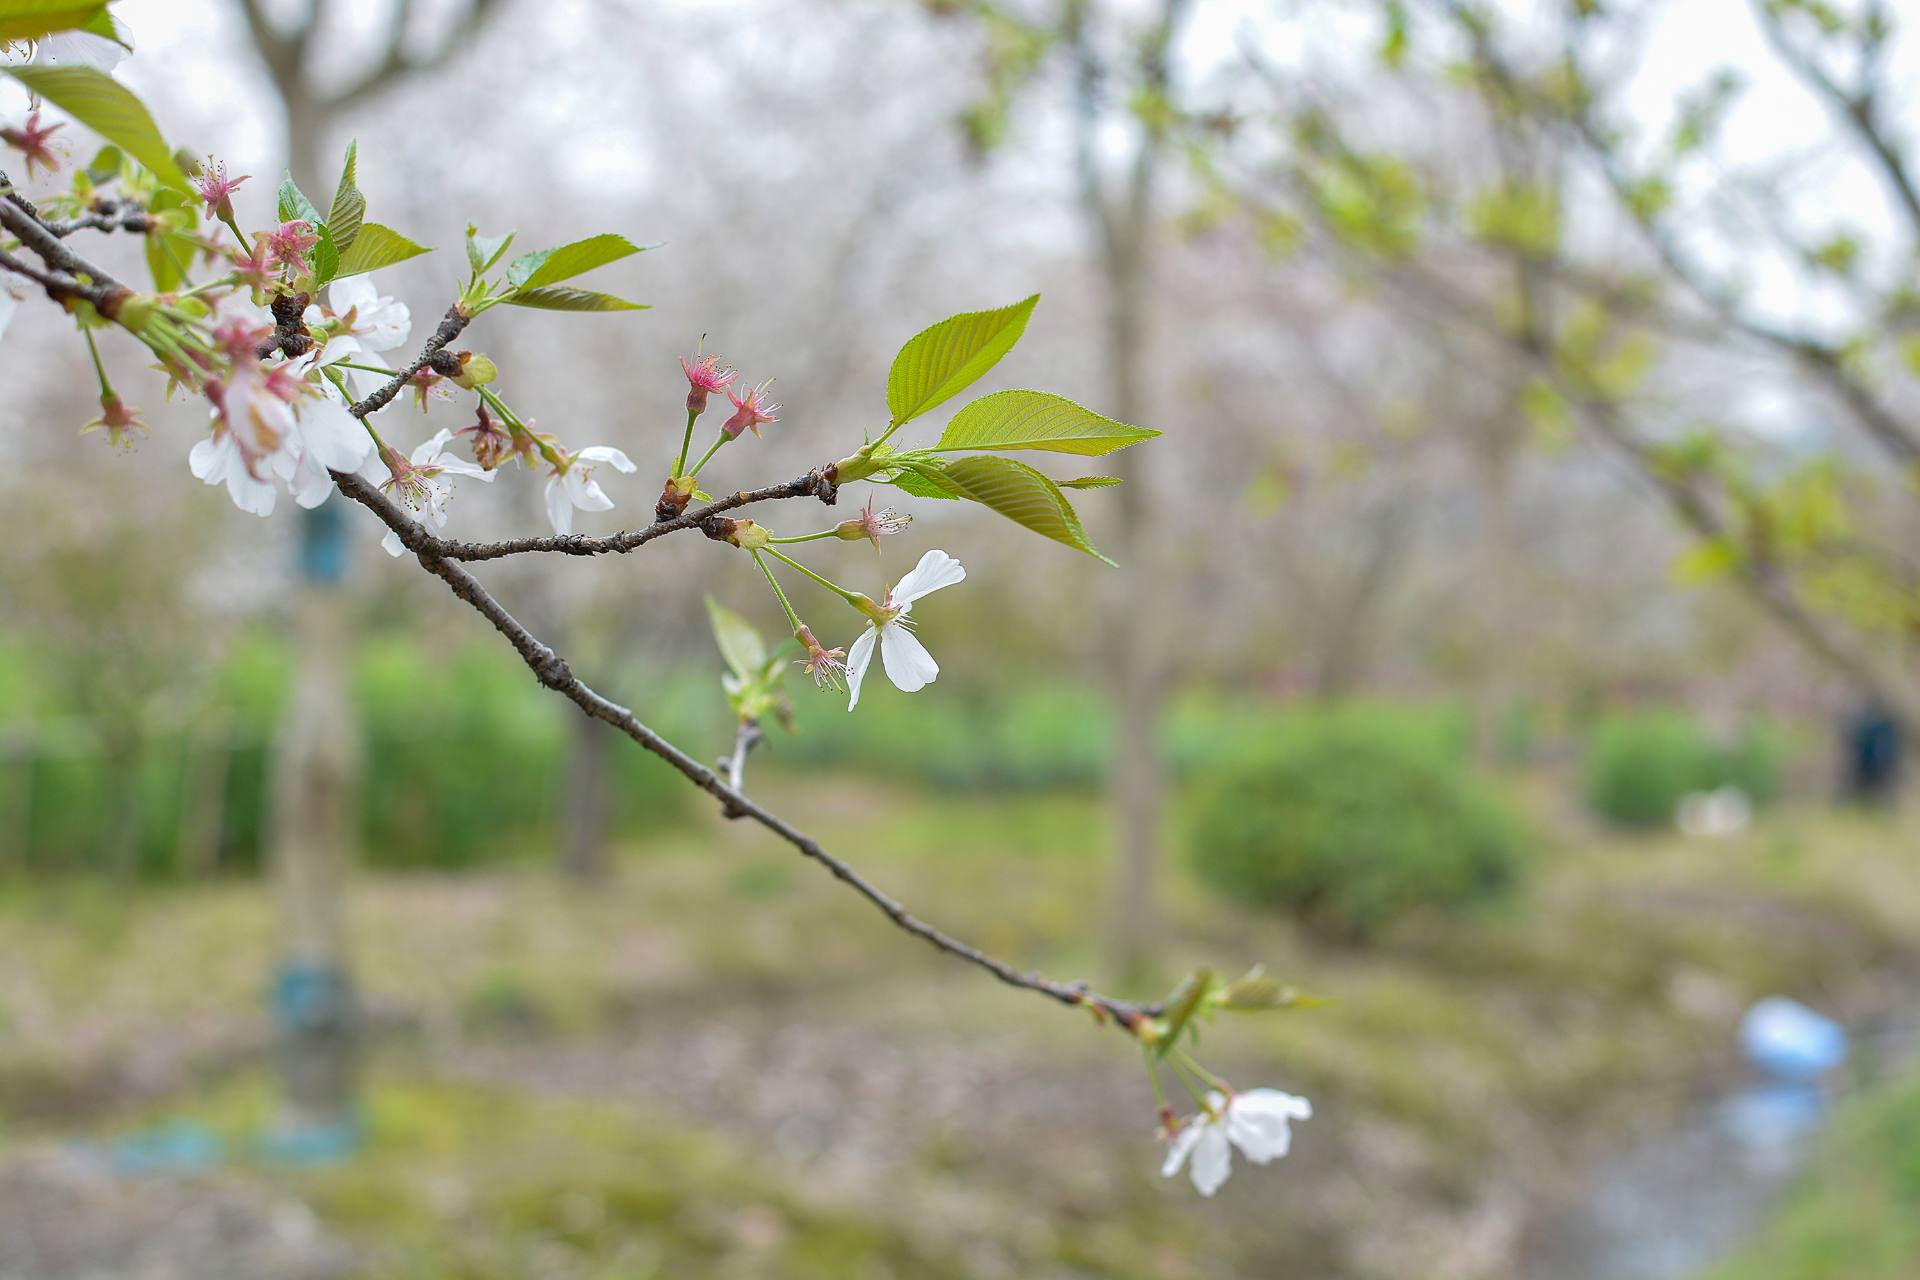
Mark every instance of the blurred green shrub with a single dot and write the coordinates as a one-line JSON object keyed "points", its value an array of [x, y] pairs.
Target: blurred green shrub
{"points": [[1639, 764], [463, 756], [1350, 819]]}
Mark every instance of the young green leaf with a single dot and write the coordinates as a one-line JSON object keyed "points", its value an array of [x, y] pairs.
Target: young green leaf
{"points": [[1037, 420], [374, 247], [349, 205], [941, 361], [295, 205], [109, 108], [484, 251], [740, 644], [1090, 482], [551, 266], [1254, 992], [1181, 1006], [567, 298], [326, 257], [31, 19], [921, 479], [1016, 491]]}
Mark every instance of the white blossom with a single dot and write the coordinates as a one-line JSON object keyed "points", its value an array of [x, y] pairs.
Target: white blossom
{"points": [[1259, 1122], [574, 485], [373, 325], [424, 482], [907, 662]]}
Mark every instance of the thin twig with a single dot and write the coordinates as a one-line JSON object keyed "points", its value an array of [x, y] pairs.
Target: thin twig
{"points": [[552, 671]]}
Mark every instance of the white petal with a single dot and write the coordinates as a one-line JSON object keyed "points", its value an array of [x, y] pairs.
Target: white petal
{"points": [[908, 664], [858, 659], [609, 455], [936, 569], [255, 497], [354, 293], [209, 458], [559, 510], [1259, 1122], [392, 545], [1180, 1148], [427, 450], [1212, 1159], [311, 484], [454, 465], [585, 491], [80, 49], [334, 436]]}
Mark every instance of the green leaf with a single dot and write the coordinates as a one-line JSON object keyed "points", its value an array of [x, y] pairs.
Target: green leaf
{"points": [[1037, 420], [484, 251], [941, 361], [739, 643], [294, 205], [31, 19], [909, 480], [109, 108], [1255, 993], [376, 246], [1016, 491], [1181, 1006], [349, 205], [551, 266], [326, 257], [1090, 482], [566, 298]]}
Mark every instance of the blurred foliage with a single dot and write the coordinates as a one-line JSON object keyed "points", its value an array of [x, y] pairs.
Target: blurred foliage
{"points": [[1641, 763], [1351, 819], [462, 755]]}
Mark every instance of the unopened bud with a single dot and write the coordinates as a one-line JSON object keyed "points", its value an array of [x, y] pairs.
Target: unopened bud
{"points": [[475, 371], [674, 496], [744, 534]]}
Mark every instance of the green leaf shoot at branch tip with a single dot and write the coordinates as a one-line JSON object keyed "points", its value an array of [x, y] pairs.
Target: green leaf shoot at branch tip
{"points": [[944, 359]]}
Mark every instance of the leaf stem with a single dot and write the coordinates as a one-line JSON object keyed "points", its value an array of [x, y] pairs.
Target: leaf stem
{"points": [[686, 442], [792, 618], [836, 588], [707, 457]]}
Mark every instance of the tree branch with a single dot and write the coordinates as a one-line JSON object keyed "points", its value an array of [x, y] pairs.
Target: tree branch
{"points": [[552, 671]]}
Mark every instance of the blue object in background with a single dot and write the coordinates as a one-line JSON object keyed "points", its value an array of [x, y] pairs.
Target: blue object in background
{"points": [[1789, 1041], [177, 1147], [323, 543]]}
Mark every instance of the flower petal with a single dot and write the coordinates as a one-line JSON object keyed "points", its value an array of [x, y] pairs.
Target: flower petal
{"points": [[1180, 1148], [936, 569], [1259, 1122], [608, 454], [1212, 1159], [908, 664], [559, 510], [858, 658]]}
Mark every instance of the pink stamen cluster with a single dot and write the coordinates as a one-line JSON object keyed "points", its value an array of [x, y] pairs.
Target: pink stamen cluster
{"points": [[750, 411], [31, 140], [704, 377]]}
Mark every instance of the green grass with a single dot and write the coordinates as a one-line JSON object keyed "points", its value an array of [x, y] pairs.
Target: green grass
{"points": [[1857, 1213], [1453, 1056]]}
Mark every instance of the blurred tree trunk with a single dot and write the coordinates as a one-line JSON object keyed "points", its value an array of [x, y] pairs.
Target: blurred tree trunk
{"points": [[311, 842], [1121, 225], [584, 823], [314, 801]]}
